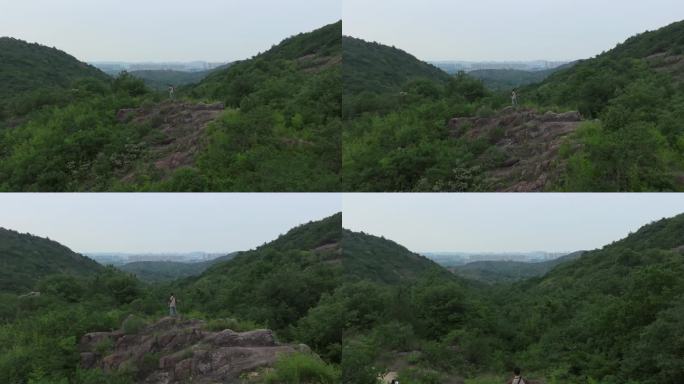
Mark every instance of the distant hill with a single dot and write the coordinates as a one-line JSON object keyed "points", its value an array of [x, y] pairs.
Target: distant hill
{"points": [[26, 67], [158, 271], [505, 271], [25, 259], [379, 68], [507, 79], [270, 123], [161, 79], [373, 258]]}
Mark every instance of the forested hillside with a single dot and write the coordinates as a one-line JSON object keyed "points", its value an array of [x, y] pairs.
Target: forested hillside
{"points": [[276, 285], [26, 67], [612, 315], [629, 98], [26, 259], [269, 123], [507, 271], [377, 68], [283, 132], [158, 271], [368, 257], [398, 140]]}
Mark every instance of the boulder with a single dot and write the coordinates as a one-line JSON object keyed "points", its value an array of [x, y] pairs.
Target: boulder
{"points": [[186, 352], [529, 142]]}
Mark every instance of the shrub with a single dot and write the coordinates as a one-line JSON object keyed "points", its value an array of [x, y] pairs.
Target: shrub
{"points": [[104, 346], [133, 325], [302, 368]]}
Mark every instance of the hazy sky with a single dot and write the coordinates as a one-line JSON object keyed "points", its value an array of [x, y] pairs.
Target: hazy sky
{"points": [[505, 30], [164, 222], [505, 221], [163, 30]]}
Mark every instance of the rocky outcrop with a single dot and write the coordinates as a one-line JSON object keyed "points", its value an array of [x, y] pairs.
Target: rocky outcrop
{"points": [[177, 133], [176, 351], [526, 141]]}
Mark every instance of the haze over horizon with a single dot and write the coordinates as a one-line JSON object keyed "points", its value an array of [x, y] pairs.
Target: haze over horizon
{"points": [[505, 222], [492, 30], [163, 222], [163, 30]]}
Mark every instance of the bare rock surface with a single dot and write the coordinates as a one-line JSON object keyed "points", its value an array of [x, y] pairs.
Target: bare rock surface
{"points": [[177, 351], [529, 142], [177, 132]]}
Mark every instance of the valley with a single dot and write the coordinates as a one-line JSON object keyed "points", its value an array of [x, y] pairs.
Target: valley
{"points": [[606, 123], [265, 123], [346, 306]]}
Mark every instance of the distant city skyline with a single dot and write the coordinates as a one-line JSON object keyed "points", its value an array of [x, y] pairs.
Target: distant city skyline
{"points": [[163, 30], [163, 222], [495, 30], [505, 222]]}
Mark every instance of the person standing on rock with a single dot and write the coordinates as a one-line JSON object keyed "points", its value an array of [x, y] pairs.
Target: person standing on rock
{"points": [[517, 379], [172, 306], [172, 92], [514, 98]]}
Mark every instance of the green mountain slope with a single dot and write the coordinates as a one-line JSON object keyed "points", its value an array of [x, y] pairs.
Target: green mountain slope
{"points": [[379, 68], [507, 79], [26, 67], [505, 271], [377, 259], [611, 314], [271, 123], [627, 136], [635, 91], [275, 284], [284, 131], [159, 271], [31, 75], [25, 259]]}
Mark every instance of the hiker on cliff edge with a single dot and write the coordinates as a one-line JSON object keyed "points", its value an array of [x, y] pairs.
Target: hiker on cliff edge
{"points": [[517, 379], [514, 98], [172, 306], [172, 92]]}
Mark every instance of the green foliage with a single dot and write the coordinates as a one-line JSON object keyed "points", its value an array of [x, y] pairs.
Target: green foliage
{"points": [[24, 265], [300, 368], [129, 84], [504, 271], [284, 131], [358, 366], [132, 325], [25, 67], [160, 271], [400, 141], [104, 347], [366, 68], [281, 134], [64, 286], [368, 257], [275, 284]]}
